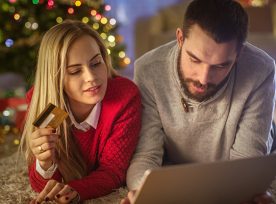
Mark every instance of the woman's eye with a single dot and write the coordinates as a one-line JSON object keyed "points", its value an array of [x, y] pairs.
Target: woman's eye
{"points": [[95, 64], [74, 72]]}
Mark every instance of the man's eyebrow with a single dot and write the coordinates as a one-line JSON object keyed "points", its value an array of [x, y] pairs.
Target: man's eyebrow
{"points": [[226, 63], [192, 55], [74, 65]]}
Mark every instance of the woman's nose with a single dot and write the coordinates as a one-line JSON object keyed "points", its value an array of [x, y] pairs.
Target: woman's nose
{"points": [[88, 75]]}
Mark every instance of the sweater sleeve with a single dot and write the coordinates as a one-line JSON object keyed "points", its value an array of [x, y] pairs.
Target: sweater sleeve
{"points": [[253, 132], [37, 181], [150, 150], [116, 152]]}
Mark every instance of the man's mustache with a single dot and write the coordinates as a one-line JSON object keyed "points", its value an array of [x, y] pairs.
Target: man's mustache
{"points": [[199, 85]]}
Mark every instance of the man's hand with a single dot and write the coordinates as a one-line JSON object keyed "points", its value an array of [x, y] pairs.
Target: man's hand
{"points": [[129, 198], [264, 198], [58, 192], [259, 199]]}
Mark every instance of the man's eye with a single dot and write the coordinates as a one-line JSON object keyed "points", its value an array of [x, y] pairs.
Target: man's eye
{"points": [[194, 60], [221, 66]]}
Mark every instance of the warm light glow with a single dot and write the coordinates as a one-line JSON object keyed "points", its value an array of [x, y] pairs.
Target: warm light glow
{"points": [[108, 51], [127, 61], [7, 128], [98, 17], [104, 20], [96, 26], [122, 54], [257, 3], [111, 38], [34, 26], [78, 3], [93, 12], [103, 35], [85, 20], [16, 142], [28, 24], [13, 1], [16, 16], [59, 20], [112, 44], [6, 112], [70, 10]]}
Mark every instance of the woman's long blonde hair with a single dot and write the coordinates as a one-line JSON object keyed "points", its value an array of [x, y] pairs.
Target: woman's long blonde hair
{"points": [[48, 88]]}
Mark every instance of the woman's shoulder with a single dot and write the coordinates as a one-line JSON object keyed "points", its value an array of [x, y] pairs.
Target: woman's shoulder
{"points": [[122, 85], [121, 90]]}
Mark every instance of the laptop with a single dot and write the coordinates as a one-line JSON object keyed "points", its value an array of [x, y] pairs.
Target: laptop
{"points": [[228, 182]]}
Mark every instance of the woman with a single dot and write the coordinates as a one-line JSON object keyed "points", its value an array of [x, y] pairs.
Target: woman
{"points": [[88, 155]]}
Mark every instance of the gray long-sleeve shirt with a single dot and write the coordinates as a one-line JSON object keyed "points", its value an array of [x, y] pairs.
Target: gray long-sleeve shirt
{"points": [[234, 123]]}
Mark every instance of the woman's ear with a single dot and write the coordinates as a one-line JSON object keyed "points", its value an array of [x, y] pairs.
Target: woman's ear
{"points": [[179, 37]]}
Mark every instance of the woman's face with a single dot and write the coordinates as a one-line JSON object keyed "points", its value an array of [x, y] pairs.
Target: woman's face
{"points": [[85, 79]]}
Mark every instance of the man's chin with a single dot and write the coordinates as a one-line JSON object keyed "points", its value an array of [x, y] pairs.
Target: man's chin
{"points": [[198, 96]]}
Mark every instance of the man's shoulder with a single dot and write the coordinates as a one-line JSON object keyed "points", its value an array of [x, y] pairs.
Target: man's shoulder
{"points": [[255, 59], [254, 66], [155, 57]]}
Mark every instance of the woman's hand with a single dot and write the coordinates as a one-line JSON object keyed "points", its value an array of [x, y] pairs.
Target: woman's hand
{"points": [[43, 143], [58, 192], [129, 198]]}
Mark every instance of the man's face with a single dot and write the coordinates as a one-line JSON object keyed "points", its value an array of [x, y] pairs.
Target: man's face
{"points": [[203, 63]]}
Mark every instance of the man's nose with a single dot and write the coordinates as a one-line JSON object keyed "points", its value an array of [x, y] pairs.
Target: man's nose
{"points": [[204, 75]]}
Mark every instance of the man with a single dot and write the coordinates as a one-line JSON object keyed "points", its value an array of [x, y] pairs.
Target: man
{"points": [[206, 96]]}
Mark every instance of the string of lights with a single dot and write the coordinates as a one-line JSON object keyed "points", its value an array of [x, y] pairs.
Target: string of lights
{"points": [[23, 22]]}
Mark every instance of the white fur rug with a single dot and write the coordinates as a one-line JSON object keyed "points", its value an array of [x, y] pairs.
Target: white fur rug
{"points": [[15, 188]]}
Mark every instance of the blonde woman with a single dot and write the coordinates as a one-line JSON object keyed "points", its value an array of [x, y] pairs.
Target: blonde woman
{"points": [[88, 155]]}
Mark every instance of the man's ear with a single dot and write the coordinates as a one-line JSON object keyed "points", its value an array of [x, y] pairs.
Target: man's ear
{"points": [[179, 37]]}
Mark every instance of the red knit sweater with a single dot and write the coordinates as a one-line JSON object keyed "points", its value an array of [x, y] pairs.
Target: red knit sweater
{"points": [[108, 149]]}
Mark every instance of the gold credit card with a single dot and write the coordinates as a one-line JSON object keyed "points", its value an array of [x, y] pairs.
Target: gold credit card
{"points": [[51, 116]]}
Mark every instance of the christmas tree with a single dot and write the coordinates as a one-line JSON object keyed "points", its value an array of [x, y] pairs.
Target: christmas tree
{"points": [[23, 22]]}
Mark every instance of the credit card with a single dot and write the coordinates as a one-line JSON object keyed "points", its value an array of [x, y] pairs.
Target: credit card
{"points": [[51, 116]]}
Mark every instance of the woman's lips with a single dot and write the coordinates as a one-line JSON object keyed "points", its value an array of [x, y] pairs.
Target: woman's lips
{"points": [[93, 90]]}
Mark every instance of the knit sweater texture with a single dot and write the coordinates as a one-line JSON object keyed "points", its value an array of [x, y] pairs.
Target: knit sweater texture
{"points": [[234, 123], [108, 149]]}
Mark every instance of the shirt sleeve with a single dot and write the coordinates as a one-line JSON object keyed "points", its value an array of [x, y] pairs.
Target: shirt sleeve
{"points": [[37, 181], [48, 173]]}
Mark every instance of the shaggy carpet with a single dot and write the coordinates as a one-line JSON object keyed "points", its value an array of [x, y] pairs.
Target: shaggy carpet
{"points": [[15, 188]]}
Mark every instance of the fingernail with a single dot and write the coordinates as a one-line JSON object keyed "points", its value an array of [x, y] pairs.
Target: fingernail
{"points": [[58, 195], [47, 199]]}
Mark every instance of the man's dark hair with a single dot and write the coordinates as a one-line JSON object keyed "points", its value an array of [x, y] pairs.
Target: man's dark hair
{"points": [[223, 20]]}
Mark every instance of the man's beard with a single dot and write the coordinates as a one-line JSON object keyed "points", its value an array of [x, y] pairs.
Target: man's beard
{"points": [[210, 88]]}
